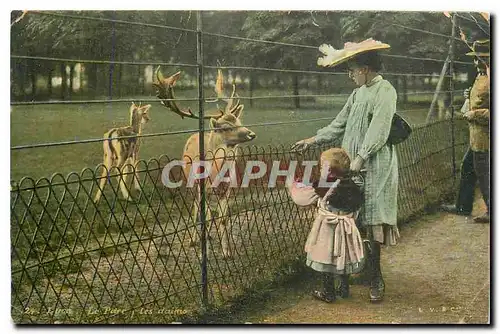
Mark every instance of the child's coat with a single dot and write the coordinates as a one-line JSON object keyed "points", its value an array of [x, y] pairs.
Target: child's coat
{"points": [[334, 243]]}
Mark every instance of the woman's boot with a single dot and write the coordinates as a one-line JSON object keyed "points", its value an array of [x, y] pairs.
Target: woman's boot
{"points": [[377, 285], [327, 291], [343, 290]]}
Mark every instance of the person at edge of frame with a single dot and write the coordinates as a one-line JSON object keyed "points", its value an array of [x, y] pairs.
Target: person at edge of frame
{"points": [[362, 128], [476, 162]]}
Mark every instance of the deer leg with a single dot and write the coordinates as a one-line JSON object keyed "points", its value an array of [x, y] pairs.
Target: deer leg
{"points": [[124, 171], [196, 214], [108, 162], [137, 186], [225, 225]]}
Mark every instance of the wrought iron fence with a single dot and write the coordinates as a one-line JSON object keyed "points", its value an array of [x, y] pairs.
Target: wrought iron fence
{"points": [[119, 261]]}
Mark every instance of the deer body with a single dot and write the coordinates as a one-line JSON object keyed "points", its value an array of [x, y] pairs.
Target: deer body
{"points": [[119, 152], [220, 142]]}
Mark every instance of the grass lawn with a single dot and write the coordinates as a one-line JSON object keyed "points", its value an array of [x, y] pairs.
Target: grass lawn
{"points": [[55, 123]]}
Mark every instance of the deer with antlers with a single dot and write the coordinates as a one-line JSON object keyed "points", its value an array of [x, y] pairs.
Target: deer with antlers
{"points": [[225, 134], [120, 152]]}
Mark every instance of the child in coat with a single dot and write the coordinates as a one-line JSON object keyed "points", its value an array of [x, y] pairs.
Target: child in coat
{"points": [[334, 246]]}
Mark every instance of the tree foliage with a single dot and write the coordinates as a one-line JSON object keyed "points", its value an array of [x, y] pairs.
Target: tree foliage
{"points": [[74, 37]]}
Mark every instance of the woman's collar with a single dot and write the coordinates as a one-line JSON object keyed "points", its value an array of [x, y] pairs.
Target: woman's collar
{"points": [[376, 79]]}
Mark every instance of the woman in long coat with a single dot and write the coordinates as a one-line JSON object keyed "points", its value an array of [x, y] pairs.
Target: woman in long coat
{"points": [[362, 128]]}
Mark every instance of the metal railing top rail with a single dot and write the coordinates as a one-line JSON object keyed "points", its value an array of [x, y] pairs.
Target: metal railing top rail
{"points": [[197, 99], [158, 134], [102, 19]]}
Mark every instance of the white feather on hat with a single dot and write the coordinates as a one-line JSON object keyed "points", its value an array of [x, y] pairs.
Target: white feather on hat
{"points": [[335, 57]]}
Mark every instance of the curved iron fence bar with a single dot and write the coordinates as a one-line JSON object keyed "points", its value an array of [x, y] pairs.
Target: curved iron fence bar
{"points": [[92, 18], [92, 61]]}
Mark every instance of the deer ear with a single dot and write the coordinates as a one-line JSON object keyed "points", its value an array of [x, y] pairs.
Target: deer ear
{"points": [[213, 123], [238, 111]]}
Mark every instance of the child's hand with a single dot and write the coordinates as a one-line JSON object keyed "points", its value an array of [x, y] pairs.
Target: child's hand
{"points": [[357, 164]]}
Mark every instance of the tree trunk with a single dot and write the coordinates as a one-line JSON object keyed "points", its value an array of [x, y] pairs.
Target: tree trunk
{"points": [[118, 87], [71, 77], [64, 79], [49, 83], [141, 77], [33, 80], [405, 89], [431, 113], [396, 86], [251, 87], [91, 70], [92, 80], [22, 79], [296, 91]]}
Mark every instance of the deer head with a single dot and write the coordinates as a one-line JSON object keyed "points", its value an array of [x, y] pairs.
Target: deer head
{"points": [[139, 114], [229, 124]]}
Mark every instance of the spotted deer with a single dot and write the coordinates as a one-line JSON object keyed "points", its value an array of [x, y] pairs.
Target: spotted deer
{"points": [[225, 134], [120, 152]]}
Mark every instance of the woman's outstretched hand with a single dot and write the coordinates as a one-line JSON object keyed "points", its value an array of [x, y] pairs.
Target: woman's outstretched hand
{"points": [[303, 144]]}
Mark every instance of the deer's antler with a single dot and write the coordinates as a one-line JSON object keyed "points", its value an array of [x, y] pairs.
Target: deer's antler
{"points": [[165, 92], [231, 106], [219, 90]]}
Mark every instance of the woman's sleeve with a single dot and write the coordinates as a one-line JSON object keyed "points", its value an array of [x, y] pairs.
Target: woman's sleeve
{"points": [[335, 130], [380, 125]]}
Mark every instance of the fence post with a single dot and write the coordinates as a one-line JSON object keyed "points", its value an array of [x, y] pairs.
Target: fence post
{"points": [[112, 64], [452, 86], [203, 239]]}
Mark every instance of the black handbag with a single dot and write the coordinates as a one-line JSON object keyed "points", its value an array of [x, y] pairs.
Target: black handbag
{"points": [[400, 129]]}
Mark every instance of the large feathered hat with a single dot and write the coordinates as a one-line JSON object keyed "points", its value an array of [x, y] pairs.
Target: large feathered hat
{"points": [[334, 57], [480, 48]]}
